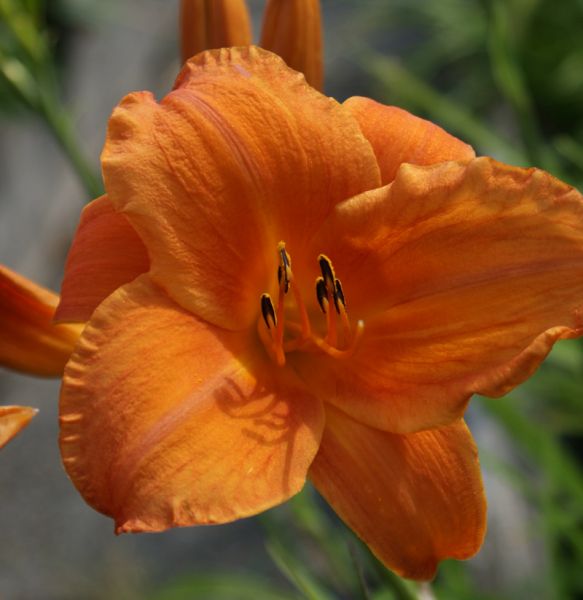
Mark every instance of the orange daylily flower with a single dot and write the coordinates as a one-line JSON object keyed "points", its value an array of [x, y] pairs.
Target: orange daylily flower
{"points": [[29, 340], [292, 287], [291, 28], [13, 419]]}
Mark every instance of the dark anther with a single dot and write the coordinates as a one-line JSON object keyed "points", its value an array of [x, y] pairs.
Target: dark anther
{"points": [[268, 311], [284, 269], [327, 272], [338, 296], [321, 293], [284, 258]]}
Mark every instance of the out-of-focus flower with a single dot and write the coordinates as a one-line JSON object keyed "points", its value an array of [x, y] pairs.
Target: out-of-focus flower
{"points": [[29, 340], [12, 420], [290, 286], [291, 28]]}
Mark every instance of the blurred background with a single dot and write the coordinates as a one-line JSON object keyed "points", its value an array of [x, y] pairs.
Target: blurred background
{"points": [[504, 75]]}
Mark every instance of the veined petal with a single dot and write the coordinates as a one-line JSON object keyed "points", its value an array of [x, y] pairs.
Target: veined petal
{"points": [[465, 277], [241, 155], [293, 30], [169, 421], [206, 24], [29, 340], [399, 137], [106, 253], [413, 499], [14, 419]]}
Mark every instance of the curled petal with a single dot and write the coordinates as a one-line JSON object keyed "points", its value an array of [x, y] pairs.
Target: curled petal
{"points": [[169, 421], [293, 30], [242, 154], [208, 24], [414, 499], [29, 340], [106, 253], [399, 137], [465, 277], [14, 419]]}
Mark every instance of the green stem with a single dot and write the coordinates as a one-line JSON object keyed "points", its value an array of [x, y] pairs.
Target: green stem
{"points": [[61, 127]]}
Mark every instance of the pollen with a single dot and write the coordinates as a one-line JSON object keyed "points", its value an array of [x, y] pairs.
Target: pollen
{"points": [[281, 335]]}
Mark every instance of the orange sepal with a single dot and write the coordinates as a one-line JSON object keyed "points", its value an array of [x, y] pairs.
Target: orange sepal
{"points": [[29, 340], [293, 30], [169, 421], [106, 253], [465, 277], [208, 24], [14, 419], [413, 499], [399, 137], [240, 155]]}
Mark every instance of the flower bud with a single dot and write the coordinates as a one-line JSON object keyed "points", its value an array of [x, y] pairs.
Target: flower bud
{"points": [[292, 29], [209, 24]]}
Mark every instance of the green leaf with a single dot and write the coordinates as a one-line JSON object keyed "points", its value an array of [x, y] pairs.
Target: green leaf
{"points": [[296, 572], [221, 586]]}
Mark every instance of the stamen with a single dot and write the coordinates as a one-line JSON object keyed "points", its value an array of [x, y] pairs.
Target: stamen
{"points": [[327, 272], [328, 290], [284, 272], [268, 311], [322, 294], [340, 303], [338, 296], [329, 279], [332, 335]]}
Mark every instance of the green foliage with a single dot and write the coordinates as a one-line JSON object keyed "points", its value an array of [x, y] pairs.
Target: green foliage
{"points": [[221, 586], [502, 74], [29, 78]]}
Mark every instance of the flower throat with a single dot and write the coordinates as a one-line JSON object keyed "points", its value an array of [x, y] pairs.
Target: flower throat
{"points": [[341, 338]]}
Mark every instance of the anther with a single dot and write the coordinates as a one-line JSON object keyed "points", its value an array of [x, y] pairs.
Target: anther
{"points": [[268, 311], [338, 296], [321, 294], [327, 272], [284, 272]]}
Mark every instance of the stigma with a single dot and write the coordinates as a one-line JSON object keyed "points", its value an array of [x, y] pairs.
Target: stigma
{"points": [[281, 336]]}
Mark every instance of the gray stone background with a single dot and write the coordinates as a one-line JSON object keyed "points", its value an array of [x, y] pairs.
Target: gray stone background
{"points": [[53, 546]]}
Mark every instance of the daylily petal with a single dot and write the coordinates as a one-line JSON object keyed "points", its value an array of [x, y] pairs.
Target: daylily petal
{"points": [[14, 419], [206, 24], [106, 253], [414, 499], [243, 153], [465, 277], [169, 421], [29, 340], [293, 30], [399, 137]]}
